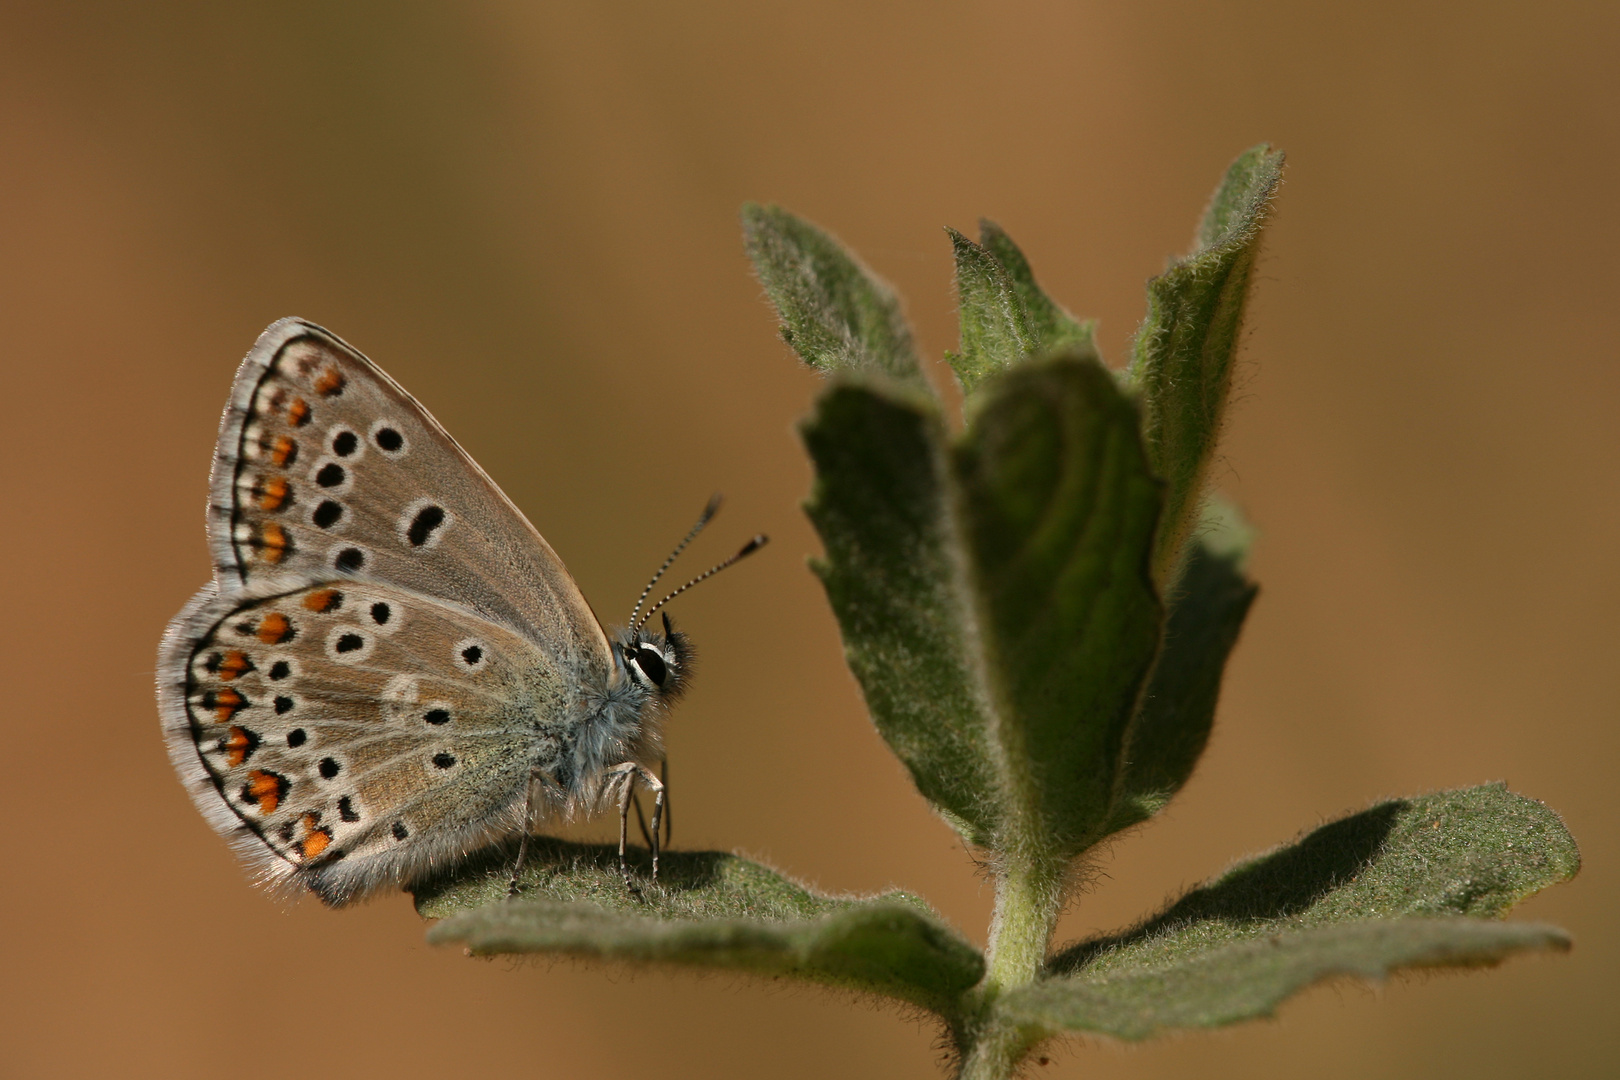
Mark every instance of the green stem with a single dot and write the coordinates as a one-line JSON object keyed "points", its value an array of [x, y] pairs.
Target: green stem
{"points": [[1029, 896], [995, 1055]]}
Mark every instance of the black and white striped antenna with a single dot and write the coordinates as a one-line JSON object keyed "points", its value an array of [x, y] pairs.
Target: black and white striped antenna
{"points": [[709, 511]]}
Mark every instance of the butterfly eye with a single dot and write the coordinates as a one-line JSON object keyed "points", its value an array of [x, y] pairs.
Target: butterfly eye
{"points": [[652, 665]]}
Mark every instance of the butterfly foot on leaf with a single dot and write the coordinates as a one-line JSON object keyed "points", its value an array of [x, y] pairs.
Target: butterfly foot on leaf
{"points": [[624, 783]]}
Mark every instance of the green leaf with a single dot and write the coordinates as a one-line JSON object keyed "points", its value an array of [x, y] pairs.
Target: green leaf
{"points": [[708, 909], [1249, 979], [1003, 314], [1171, 727], [994, 597], [1365, 894], [1182, 357], [993, 326], [1059, 508], [836, 314], [1470, 851], [883, 504], [1054, 329], [709, 884]]}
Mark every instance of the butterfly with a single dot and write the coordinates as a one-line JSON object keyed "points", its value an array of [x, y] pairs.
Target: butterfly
{"points": [[391, 668]]}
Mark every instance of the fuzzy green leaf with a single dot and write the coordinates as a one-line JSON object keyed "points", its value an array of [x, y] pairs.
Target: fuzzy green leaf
{"points": [[1053, 328], [894, 574], [1249, 979], [994, 327], [1472, 852], [1059, 508], [836, 314], [1182, 358], [707, 909], [1003, 314], [994, 597], [1171, 727]]}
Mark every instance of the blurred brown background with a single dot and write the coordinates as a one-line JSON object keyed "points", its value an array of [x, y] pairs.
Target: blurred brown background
{"points": [[527, 213]]}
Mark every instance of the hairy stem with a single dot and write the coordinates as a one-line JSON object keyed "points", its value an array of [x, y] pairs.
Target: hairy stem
{"points": [[1029, 896]]}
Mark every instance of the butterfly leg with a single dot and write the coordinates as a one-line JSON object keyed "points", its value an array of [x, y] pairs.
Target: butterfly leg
{"points": [[669, 813], [536, 781], [626, 786], [658, 789], [641, 819]]}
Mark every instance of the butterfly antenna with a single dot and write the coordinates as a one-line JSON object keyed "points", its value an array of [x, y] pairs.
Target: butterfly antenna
{"points": [[747, 549], [709, 511]]}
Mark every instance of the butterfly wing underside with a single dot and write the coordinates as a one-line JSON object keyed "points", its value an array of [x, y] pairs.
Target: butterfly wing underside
{"points": [[351, 735], [337, 749], [326, 467]]}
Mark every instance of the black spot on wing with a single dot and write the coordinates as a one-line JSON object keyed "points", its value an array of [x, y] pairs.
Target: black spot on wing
{"points": [[427, 520], [327, 514]]}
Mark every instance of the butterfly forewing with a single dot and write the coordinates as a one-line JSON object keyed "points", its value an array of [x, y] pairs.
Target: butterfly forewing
{"points": [[327, 468], [359, 732]]}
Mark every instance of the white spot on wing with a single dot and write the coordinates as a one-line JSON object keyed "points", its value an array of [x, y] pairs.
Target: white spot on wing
{"points": [[401, 690]]}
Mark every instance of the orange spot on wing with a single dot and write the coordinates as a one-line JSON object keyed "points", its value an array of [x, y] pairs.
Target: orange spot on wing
{"points": [[316, 839], [275, 628], [224, 703], [323, 600], [282, 451], [274, 543], [264, 789], [330, 382], [234, 663], [273, 493], [298, 412], [238, 746]]}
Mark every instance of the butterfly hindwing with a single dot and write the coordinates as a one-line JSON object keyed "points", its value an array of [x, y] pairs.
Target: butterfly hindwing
{"points": [[326, 468], [351, 734]]}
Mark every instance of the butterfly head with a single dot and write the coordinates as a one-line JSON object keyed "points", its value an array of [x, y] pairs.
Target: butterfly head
{"points": [[658, 663]]}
